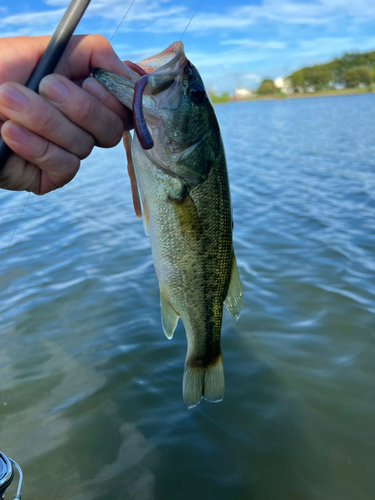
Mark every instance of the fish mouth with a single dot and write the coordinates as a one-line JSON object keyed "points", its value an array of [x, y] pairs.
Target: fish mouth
{"points": [[165, 61], [156, 74]]}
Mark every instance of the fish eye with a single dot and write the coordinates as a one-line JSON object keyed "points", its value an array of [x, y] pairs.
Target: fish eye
{"points": [[196, 92]]}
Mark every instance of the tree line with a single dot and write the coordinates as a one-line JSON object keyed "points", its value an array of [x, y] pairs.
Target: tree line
{"points": [[349, 71]]}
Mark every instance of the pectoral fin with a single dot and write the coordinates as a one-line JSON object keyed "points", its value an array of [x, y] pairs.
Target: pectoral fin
{"points": [[169, 317], [146, 221], [233, 301], [187, 216], [127, 140]]}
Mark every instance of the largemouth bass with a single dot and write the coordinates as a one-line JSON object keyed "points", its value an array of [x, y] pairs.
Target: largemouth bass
{"points": [[178, 159]]}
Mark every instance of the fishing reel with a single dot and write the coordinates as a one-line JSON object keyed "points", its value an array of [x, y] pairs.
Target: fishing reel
{"points": [[7, 466]]}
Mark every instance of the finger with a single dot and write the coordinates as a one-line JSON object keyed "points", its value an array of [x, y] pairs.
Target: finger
{"points": [[85, 52], [20, 55], [31, 111], [83, 109], [57, 166], [19, 175], [94, 88]]}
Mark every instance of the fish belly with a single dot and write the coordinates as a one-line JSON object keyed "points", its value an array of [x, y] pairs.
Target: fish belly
{"points": [[191, 240]]}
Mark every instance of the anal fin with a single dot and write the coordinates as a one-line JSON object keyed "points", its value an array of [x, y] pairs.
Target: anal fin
{"points": [[169, 317], [233, 300]]}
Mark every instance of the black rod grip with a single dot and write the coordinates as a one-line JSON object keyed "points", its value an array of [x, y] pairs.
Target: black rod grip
{"points": [[51, 56]]}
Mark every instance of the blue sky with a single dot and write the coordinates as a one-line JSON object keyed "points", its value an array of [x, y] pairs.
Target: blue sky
{"points": [[236, 43]]}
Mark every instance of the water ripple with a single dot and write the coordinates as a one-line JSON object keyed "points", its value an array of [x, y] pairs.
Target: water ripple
{"points": [[91, 388]]}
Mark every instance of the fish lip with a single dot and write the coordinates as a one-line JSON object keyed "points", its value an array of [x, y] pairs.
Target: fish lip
{"points": [[161, 71], [174, 54], [175, 57], [101, 74], [120, 85]]}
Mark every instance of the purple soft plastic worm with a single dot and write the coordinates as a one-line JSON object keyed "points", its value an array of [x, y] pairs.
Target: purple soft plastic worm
{"points": [[140, 125]]}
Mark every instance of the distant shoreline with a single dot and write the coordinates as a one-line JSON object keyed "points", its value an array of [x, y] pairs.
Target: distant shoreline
{"points": [[323, 93]]}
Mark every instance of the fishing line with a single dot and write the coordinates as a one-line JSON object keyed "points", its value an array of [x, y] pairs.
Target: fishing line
{"points": [[122, 20], [191, 19], [118, 27]]}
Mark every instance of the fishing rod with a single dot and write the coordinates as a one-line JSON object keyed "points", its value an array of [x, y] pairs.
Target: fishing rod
{"points": [[51, 56]]}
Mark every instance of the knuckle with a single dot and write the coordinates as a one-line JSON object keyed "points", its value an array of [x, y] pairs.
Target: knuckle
{"points": [[101, 41], [111, 135], [69, 167], [101, 49], [49, 182], [86, 147], [86, 112], [46, 122], [3, 69], [61, 171], [45, 153]]}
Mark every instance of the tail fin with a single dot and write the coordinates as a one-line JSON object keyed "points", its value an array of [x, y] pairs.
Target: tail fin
{"points": [[204, 382]]}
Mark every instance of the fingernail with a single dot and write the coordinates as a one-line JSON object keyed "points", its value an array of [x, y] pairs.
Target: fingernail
{"points": [[16, 133], [94, 88], [13, 99], [53, 89]]}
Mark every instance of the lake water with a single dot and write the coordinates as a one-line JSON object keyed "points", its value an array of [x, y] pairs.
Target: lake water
{"points": [[90, 397]]}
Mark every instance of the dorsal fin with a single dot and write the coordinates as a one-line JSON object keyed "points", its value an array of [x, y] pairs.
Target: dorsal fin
{"points": [[127, 140]]}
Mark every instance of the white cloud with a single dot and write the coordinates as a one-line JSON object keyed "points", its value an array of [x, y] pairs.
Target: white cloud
{"points": [[243, 38], [237, 18], [160, 16], [251, 76], [34, 19], [57, 3], [246, 43], [319, 47], [230, 58], [142, 10]]}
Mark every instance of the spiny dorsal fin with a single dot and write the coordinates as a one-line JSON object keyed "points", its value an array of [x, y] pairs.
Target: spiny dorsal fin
{"points": [[233, 301], [127, 140], [169, 317]]}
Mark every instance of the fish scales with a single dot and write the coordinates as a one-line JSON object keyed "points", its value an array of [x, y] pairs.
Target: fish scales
{"points": [[192, 264], [184, 189]]}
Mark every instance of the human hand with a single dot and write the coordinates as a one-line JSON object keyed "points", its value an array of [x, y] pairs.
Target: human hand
{"points": [[51, 132]]}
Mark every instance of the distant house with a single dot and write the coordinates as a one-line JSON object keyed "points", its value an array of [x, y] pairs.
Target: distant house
{"points": [[283, 84], [243, 93]]}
